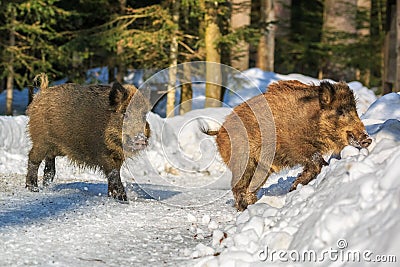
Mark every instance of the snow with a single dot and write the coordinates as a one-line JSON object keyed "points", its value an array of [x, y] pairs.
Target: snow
{"points": [[354, 200], [180, 211]]}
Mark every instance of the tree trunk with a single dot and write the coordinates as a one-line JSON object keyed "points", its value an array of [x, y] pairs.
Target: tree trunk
{"points": [[266, 45], [121, 68], [364, 32], [213, 71], [282, 10], [339, 17], [10, 68], [10, 85], [389, 49], [186, 90], [173, 61], [240, 18]]}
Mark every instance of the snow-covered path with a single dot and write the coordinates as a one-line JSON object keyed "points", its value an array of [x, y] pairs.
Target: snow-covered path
{"points": [[69, 224]]}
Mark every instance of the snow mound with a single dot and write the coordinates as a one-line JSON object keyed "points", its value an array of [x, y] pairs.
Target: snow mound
{"points": [[14, 144], [179, 152], [13, 134], [351, 207], [364, 96], [386, 107]]}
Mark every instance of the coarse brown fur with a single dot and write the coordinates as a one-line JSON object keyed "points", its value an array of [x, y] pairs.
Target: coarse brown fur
{"points": [[310, 121], [85, 123]]}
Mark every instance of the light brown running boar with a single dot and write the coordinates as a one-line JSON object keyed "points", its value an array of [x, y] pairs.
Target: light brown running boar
{"points": [[310, 121]]}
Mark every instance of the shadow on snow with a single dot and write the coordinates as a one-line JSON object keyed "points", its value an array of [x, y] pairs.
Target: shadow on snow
{"points": [[63, 198], [278, 189]]}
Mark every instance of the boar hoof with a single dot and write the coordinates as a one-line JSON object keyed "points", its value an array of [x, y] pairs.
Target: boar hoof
{"points": [[47, 183], [32, 188], [294, 186], [120, 196], [245, 199], [139, 142]]}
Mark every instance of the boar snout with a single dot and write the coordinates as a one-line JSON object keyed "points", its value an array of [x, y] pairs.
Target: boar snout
{"points": [[137, 142], [362, 141], [134, 142], [366, 141]]}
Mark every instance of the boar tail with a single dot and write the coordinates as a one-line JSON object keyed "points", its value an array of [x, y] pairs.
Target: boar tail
{"points": [[44, 81]]}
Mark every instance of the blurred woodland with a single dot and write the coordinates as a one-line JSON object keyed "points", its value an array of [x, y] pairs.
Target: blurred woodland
{"points": [[336, 39]]}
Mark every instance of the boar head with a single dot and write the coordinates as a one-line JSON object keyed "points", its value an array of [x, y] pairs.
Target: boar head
{"points": [[339, 123], [130, 109]]}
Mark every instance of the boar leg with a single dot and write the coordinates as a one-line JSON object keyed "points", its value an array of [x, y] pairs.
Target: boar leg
{"points": [[243, 197], [31, 177], [115, 187], [49, 171], [240, 184], [36, 156], [260, 177], [252, 180], [311, 170]]}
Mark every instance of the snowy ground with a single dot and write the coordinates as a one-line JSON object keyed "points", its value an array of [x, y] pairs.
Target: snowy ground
{"points": [[181, 214], [69, 224]]}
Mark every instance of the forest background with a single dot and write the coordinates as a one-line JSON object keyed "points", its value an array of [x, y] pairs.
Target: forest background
{"points": [[336, 39]]}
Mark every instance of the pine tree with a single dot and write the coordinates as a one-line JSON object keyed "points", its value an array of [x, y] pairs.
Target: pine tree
{"points": [[10, 67], [29, 27]]}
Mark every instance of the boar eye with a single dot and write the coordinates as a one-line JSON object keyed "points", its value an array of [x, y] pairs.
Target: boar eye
{"points": [[340, 112]]}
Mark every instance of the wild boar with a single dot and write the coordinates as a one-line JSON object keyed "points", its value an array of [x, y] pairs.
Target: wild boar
{"points": [[86, 124], [310, 121]]}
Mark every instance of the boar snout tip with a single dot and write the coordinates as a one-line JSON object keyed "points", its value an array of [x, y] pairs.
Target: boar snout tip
{"points": [[363, 141], [138, 142], [366, 142]]}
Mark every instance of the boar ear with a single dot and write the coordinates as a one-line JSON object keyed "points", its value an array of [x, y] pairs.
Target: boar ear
{"points": [[118, 94], [326, 94]]}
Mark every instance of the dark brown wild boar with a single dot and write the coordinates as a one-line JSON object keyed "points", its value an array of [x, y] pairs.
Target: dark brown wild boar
{"points": [[310, 121], [86, 124]]}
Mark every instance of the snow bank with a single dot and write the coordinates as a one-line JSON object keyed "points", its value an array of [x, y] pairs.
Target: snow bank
{"points": [[364, 96], [13, 143], [355, 200], [179, 152], [387, 107], [13, 134], [352, 207]]}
